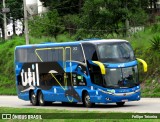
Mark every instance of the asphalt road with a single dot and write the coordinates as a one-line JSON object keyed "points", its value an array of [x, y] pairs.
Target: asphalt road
{"points": [[145, 105]]}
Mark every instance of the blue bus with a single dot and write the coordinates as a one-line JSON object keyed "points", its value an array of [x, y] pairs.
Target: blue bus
{"points": [[89, 71]]}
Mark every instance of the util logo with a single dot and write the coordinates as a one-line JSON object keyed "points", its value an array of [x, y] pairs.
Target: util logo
{"points": [[30, 78]]}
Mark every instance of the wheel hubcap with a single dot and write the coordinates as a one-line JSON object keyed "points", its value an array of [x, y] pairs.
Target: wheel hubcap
{"points": [[41, 99], [33, 98], [87, 99]]}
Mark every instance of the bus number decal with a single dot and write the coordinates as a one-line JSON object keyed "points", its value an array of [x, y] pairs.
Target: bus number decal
{"points": [[74, 48]]}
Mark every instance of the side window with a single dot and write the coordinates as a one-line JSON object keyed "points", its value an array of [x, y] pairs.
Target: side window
{"points": [[50, 55], [53, 54], [39, 54], [31, 56], [90, 52], [21, 55], [68, 54], [76, 53], [42, 55], [26, 55], [56, 54]]}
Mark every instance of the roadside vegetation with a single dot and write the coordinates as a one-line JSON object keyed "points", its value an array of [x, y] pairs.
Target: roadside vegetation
{"points": [[7, 72], [75, 20], [146, 45]]}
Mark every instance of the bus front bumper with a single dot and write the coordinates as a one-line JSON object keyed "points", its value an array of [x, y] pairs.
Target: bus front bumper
{"points": [[113, 98]]}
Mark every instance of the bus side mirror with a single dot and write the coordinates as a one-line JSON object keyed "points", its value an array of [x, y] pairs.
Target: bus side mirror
{"points": [[102, 67], [144, 64]]}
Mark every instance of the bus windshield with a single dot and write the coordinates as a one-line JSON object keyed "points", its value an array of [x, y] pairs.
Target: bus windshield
{"points": [[115, 52], [121, 77]]}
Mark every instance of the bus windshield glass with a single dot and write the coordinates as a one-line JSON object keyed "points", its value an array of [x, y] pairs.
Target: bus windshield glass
{"points": [[121, 77], [115, 52]]}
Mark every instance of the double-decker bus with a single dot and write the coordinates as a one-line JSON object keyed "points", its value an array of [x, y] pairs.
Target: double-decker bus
{"points": [[89, 71]]}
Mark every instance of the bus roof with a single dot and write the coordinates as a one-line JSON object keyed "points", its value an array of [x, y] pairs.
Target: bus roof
{"points": [[92, 41]]}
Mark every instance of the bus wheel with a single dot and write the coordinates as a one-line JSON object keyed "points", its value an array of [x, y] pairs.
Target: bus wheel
{"points": [[86, 101], [41, 99], [33, 99], [120, 103]]}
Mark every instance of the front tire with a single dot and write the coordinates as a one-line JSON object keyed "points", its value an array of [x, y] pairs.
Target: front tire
{"points": [[120, 104], [33, 99], [86, 101]]}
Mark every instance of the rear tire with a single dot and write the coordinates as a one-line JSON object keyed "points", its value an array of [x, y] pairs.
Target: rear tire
{"points": [[41, 99], [120, 104], [33, 99], [86, 101]]}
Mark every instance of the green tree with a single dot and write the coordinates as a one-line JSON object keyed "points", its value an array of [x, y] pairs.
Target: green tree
{"points": [[49, 24], [64, 6], [110, 16], [16, 8], [99, 17]]}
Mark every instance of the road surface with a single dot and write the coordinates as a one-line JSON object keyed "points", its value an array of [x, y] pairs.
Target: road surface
{"points": [[145, 105]]}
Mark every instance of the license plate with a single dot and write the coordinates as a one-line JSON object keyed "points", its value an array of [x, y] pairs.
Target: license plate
{"points": [[125, 100]]}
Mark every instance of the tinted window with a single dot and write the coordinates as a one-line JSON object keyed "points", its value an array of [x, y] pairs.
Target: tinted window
{"points": [[121, 77], [115, 52], [26, 55], [21, 55], [90, 52], [39, 54], [50, 54], [42, 55], [76, 53]]}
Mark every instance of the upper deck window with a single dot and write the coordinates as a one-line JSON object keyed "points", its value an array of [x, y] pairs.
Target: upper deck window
{"points": [[25, 55], [49, 54], [115, 52], [74, 53]]}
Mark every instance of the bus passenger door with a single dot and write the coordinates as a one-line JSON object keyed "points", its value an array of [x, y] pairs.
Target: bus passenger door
{"points": [[95, 72], [70, 76], [92, 60]]}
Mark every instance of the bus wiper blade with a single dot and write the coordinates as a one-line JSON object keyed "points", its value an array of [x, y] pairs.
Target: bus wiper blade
{"points": [[126, 56], [135, 84], [123, 87]]}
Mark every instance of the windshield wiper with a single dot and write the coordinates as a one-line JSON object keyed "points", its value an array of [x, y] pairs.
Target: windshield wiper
{"points": [[126, 56], [133, 85], [124, 87]]}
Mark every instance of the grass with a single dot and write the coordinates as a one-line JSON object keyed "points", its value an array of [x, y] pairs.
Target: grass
{"points": [[151, 88], [141, 43], [75, 115], [7, 77]]}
